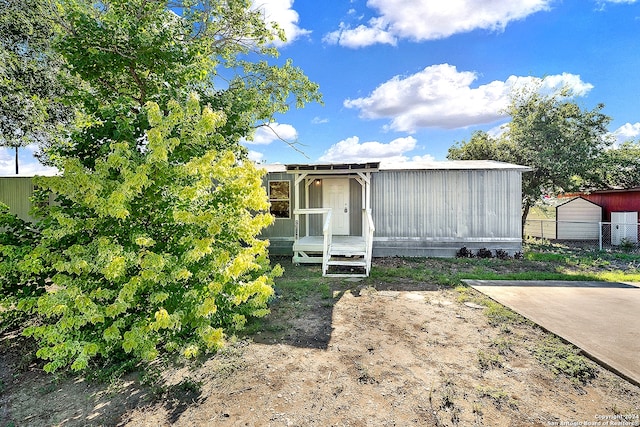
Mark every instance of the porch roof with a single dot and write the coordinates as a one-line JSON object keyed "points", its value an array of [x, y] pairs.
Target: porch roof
{"points": [[352, 168], [332, 168]]}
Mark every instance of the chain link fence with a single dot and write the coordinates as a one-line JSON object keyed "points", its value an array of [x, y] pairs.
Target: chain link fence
{"points": [[585, 235]]}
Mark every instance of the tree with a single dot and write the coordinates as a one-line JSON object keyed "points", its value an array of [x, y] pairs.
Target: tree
{"points": [[30, 76], [152, 243], [132, 52], [481, 146], [549, 133], [153, 252], [556, 138], [616, 167]]}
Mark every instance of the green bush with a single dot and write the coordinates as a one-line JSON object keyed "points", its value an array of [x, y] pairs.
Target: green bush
{"points": [[20, 279], [151, 250]]}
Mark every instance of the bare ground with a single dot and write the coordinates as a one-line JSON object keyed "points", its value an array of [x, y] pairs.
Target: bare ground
{"points": [[371, 353]]}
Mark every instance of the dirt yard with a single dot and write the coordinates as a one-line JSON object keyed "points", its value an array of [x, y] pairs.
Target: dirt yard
{"points": [[370, 353]]}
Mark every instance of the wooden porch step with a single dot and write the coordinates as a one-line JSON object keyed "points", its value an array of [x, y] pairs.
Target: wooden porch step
{"points": [[346, 267], [347, 253], [348, 263]]}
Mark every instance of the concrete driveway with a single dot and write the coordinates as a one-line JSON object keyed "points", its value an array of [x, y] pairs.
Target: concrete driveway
{"points": [[601, 318]]}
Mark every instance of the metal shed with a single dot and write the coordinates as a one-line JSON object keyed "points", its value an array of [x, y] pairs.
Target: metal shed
{"points": [[578, 219], [620, 200]]}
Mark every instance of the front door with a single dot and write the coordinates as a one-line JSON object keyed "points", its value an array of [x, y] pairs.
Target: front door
{"points": [[335, 195]]}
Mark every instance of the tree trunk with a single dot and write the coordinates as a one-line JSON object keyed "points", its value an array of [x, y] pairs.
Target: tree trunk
{"points": [[525, 213], [16, 147]]}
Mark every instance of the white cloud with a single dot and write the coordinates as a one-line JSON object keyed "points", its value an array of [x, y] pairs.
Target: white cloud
{"points": [[427, 158], [554, 83], [282, 12], [265, 135], [443, 97], [429, 20], [362, 35], [626, 132], [319, 120], [255, 156], [352, 150]]}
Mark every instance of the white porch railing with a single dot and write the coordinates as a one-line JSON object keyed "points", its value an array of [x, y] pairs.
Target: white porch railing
{"points": [[349, 252], [326, 245], [369, 228], [326, 231]]}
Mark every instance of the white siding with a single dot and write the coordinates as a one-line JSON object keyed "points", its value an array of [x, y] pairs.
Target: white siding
{"points": [[436, 212]]}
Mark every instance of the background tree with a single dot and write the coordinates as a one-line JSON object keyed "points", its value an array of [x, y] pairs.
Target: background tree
{"points": [[152, 243], [481, 146], [31, 79], [617, 167], [549, 133]]}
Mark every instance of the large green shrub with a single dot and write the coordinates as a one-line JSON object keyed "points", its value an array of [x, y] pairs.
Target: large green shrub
{"points": [[151, 244], [153, 249]]}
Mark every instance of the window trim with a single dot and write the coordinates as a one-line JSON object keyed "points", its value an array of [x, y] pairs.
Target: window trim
{"points": [[288, 199]]}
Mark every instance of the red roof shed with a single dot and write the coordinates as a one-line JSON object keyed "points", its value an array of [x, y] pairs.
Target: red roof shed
{"points": [[616, 200]]}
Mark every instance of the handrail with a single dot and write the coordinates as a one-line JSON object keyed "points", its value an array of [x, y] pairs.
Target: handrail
{"points": [[298, 212], [370, 228], [311, 211], [326, 232], [326, 245]]}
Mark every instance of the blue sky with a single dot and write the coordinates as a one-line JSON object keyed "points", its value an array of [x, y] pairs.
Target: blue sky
{"points": [[405, 79]]}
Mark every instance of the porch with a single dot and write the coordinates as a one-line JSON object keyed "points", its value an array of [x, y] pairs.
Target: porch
{"points": [[335, 227], [348, 256]]}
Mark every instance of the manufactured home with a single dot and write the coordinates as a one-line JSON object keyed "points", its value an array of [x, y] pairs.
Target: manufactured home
{"points": [[342, 215]]}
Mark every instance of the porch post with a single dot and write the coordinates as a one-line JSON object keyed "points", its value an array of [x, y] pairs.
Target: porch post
{"points": [[307, 184], [296, 204], [366, 189]]}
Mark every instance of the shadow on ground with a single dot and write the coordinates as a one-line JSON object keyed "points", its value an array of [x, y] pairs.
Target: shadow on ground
{"points": [[303, 318]]}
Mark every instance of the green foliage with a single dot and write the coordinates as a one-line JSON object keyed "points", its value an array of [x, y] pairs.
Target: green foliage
{"points": [[564, 359], [151, 245], [497, 395], [627, 245], [481, 146], [30, 75], [617, 167], [502, 345], [499, 315], [129, 52], [488, 360], [556, 138], [152, 251], [17, 240]]}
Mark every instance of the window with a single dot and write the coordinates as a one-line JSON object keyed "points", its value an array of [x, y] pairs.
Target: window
{"points": [[279, 196]]}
